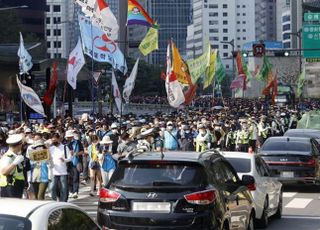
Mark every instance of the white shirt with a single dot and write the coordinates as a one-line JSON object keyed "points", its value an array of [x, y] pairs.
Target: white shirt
{"points": [[59, 166], [6, 161]]}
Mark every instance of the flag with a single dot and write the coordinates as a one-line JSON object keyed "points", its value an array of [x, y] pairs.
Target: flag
{"points": [[198, 66], [243, 69], [270, 82], [301, 81], [49, 94], [211, 70], [264, 71], [75, 62], [25, 61], [173, 87], [239, 82], [179, 66], [138, 15], [101, 16], [104, 49], [190, 94], [239, 64], [130, 82], [116, 93], [150, 42], [30, 98], [274, 89], [220, 70]]}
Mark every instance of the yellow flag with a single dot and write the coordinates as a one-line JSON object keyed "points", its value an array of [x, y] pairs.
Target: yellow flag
{"points": [[179, 67], [150, 42], [211, 70]]}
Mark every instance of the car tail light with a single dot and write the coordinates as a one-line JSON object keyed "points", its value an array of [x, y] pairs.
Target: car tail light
{"points": [[252, 187], [201, 198], [311, 163], [108, 196]]}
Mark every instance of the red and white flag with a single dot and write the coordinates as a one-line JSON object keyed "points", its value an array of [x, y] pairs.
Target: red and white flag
{"points": [[173, 87], [116, 93], [101, 16], [75, 63]]}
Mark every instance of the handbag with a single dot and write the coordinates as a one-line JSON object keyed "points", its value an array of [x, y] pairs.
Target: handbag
{"points": [[79, 167]]}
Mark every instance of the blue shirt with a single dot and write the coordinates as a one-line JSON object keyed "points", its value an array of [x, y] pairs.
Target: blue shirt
{"points": [[171, 140]]}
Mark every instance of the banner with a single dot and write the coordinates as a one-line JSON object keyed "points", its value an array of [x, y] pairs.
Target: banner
{"points": [[150, 42], [25, 59], [49, 94], [198, 66], [30, 98], [104, 49], [220, 70], [264, 70], [101, 16], [116, 92], [130, 82], [211, 70], [75, 62]]}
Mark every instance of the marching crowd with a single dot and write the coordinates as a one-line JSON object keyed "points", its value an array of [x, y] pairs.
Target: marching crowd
{"points": [[39, 159]]}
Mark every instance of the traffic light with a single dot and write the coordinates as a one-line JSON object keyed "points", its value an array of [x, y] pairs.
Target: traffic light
{"points": [[259, 50]]}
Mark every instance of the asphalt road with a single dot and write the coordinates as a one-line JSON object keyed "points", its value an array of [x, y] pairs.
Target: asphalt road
{"points": [[301, 208]]}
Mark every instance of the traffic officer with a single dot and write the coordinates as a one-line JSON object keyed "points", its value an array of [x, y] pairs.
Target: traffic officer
{"points": [[263, 130], [12, 180], [243, 135]]}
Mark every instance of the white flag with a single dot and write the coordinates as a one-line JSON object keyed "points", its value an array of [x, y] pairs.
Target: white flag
{"points": [[75, 63], [116, 92], [130, 82], [25, 61], [101, 16], [173, 87], [30, 98]]}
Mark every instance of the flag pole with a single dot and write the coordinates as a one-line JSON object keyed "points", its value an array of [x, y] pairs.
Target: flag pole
{"points": [[92, 63]]}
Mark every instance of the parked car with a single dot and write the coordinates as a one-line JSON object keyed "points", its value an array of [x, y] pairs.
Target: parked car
{"points": [[176, 190], [311, 133], [267, 190], [292, 159], [39, 215]]}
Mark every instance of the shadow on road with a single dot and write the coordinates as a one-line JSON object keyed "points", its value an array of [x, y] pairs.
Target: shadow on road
{"points": [[294, 224], [302, 188]]}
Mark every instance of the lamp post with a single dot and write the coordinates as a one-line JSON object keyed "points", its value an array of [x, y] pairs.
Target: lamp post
{"points": [[299, 35], [233, 68], [13, 7]]}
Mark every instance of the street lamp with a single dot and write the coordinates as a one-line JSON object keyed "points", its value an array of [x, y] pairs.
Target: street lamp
{"points": [[232, 44], [13, 7]]}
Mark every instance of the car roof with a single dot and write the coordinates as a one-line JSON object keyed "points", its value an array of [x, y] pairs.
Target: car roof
{"points": [[304, 131], [182, 156], [292, 139], [242, 155], [23, 208]]}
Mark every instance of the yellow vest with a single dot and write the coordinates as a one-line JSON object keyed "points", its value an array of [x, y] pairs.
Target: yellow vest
{"points": [[15, 176], [200, 147]]}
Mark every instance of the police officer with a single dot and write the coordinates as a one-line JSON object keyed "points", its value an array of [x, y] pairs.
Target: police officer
{"points": [[12, 180], [243, 135]]}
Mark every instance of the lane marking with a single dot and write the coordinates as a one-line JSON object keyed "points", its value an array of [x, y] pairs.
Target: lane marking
{"points": [[298, 203], [289, 194], [302, 217]]}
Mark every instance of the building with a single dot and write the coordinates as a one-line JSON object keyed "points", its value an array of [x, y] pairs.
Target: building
{"points": [[265, 20], [289, 22], [221, 22], [32, 17], [173, 16]]}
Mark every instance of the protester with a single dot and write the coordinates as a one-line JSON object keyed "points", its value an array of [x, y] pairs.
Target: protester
{"points": [[108, 164], [94, 164]]}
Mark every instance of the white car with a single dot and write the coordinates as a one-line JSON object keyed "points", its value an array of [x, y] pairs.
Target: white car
{"points": [[43, 215], [267, 192]]}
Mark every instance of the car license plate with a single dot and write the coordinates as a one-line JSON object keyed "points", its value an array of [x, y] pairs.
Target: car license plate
{"points": [[287, 174], [161, 207]]}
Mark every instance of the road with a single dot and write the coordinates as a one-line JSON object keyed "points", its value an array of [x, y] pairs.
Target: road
{"points": [[301, 208]]}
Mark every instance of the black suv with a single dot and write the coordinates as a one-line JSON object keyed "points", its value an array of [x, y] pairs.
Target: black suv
{"points": [[176, 190]]}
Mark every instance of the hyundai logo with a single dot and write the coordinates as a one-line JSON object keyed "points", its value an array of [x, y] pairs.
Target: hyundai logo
{"points": [[152, 195]]}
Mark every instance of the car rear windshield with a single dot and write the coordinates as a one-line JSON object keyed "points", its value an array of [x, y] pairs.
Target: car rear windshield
{"points": [[240, 165], [290, 146], [8, 222], [159, 174]]}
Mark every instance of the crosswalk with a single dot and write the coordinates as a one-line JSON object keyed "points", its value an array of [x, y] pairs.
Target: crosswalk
{"points": [[293, 200]]}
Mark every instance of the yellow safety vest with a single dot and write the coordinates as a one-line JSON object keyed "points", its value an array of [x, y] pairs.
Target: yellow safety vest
{"points": [[200, 147], [16, 175]]}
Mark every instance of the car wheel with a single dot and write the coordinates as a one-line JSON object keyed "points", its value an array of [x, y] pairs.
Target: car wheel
{"points": [[264, 221], [251, 223], [279, 210]]}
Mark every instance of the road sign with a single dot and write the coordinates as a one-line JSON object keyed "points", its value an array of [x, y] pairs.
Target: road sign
{"points": [[312, 17], [311, 40], [259, 50]]}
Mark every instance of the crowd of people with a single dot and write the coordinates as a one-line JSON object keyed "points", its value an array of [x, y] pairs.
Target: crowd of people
{"points": [[53, 158]]}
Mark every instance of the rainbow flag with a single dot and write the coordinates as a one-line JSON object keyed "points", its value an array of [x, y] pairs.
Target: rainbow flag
{"points": [[138, 15]]}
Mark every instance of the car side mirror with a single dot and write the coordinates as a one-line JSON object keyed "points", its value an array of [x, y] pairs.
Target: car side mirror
{"points": [[247, 180]]}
